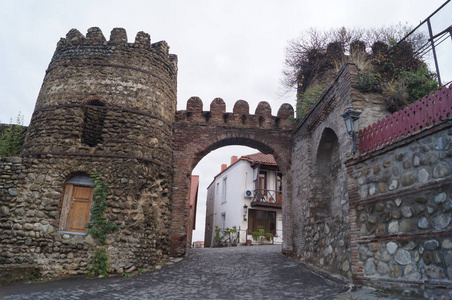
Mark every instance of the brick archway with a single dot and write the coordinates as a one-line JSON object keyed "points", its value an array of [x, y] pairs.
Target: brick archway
{"points": [[198, 132]]}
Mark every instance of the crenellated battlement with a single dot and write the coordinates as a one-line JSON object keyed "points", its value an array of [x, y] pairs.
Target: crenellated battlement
{"points": [[240, 116], [118, 37], [95, 48], [140, 76]]}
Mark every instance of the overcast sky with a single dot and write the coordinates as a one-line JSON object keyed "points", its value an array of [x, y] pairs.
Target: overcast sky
{"points": [[228, 49]]}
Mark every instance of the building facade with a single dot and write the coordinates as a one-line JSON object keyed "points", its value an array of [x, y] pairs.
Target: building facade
{"points": [[247, 196]]}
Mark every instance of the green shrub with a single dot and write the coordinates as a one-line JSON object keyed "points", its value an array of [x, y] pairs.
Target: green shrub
{"points": [[255, 235], [307, 99], [419, 83], [366, 82], [12, 139], [269, 236], [395, 95], [100, 263]]}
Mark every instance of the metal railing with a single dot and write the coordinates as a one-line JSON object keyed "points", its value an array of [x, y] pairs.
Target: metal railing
{"points": [[267, 197], [226, 237], [431, 110], [434, 46]]}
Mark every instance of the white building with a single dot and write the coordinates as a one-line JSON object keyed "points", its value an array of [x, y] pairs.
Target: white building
{"points": [[245, 195]]}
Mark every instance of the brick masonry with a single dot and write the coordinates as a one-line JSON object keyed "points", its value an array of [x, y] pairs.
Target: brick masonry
{"points": [[318, 214], [199, 132]]}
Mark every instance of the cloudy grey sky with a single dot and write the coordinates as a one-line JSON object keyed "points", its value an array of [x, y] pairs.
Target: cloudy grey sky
{"points": [[230, 49]]}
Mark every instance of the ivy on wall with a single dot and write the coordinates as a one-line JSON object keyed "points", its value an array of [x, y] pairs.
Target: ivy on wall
{"points": [[99, 226]]}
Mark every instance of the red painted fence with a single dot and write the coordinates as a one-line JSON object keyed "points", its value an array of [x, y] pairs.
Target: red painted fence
{"points": [[424, 113]]}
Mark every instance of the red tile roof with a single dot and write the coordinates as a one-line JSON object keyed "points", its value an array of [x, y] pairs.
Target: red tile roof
{"points": [[260, 158]]}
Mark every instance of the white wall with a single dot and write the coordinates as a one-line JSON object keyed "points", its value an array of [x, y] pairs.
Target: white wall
{"points": [[239, 179]]}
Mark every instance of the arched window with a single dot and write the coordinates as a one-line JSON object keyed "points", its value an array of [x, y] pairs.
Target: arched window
{"points": [[93, 123], [78, 194], [328, 166]]}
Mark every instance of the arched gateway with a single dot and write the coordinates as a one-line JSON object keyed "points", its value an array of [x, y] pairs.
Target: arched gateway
{"points": [[199, 132], [109, 106]]}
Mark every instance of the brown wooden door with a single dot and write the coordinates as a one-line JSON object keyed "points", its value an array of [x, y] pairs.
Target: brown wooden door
{"points": [[80, 208]]}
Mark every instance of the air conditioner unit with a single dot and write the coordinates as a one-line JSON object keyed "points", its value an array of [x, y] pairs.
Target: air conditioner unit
{"points": [[248, 194]]}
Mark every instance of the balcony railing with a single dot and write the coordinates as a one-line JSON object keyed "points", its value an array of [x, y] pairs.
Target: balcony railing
{"points": [[267, 198]]}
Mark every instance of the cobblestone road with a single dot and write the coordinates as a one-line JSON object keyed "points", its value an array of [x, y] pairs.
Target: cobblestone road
{"points": [[260, 272]]}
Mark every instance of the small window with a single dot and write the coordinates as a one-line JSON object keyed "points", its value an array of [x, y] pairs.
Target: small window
{"points": [[78, 194], [223, 220], [261, 184], [279, 188], [225, 188], [93, 123]]}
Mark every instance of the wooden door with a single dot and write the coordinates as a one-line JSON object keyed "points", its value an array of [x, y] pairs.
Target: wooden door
{"points": [[80, 208]]}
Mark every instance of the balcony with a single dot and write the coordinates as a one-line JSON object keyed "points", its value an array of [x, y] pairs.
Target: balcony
{"points": [[267, 198]]}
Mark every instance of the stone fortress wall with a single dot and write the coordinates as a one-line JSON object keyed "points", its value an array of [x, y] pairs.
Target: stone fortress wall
{"points": [[380, 217], [400, 197], [106, 107], [318, 209]]}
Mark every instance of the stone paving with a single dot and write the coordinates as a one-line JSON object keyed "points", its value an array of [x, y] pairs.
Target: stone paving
{"points": [[259, 272]]}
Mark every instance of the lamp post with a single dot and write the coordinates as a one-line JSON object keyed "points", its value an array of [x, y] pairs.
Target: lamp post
{"points": [[351, 119], [245, 211]]}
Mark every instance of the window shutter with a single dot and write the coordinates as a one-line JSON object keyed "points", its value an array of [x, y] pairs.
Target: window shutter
{"points": [[80, 208], [66, 208]]}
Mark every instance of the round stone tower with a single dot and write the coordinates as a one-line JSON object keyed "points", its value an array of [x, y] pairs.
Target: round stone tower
{"points": [[105, 107], [106, 98]]}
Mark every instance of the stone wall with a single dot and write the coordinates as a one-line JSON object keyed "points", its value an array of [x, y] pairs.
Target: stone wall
{"points": [[105, 107], [319, 209], [381, 218], [400, 214], [31, 205], [319, 224]]}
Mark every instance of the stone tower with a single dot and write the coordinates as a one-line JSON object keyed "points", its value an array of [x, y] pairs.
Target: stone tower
{"points": [[106, 99], [105, 106]]}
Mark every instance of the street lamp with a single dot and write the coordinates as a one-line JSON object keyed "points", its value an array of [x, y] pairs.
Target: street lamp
{"points": [[245, 211], [351, 119]]}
